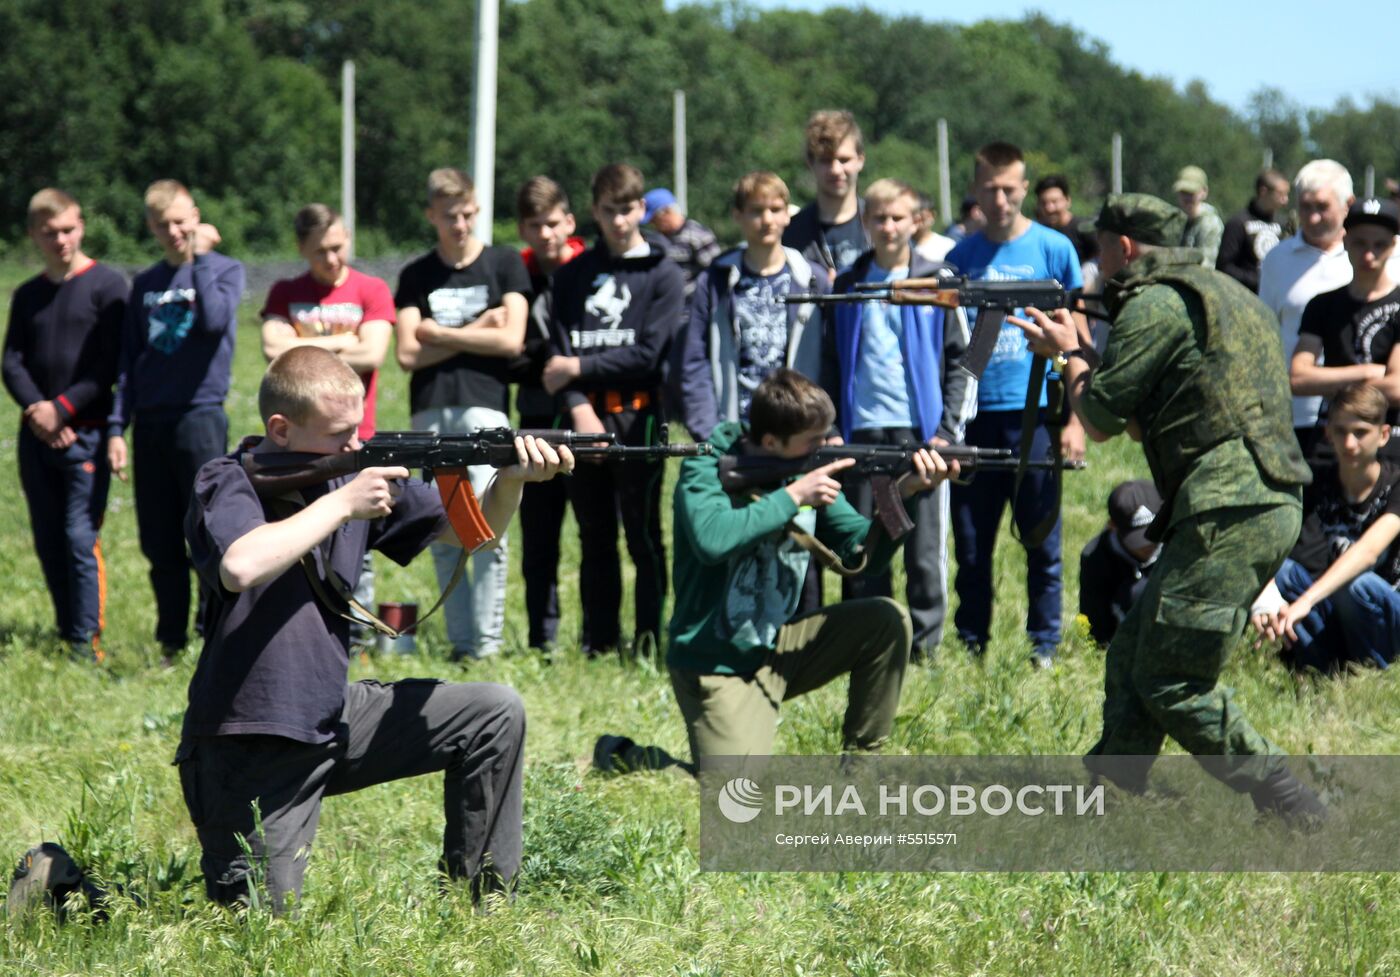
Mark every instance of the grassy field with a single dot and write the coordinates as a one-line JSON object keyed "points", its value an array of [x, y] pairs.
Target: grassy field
{"points": [[611, 883]]}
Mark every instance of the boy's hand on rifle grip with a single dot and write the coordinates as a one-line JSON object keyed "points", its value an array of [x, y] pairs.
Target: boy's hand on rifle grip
{"points": [[373, 492], [929, 470], [819, 487]]}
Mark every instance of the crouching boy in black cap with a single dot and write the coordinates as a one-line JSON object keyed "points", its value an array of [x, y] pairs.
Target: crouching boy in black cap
{"points": [[1113, 568], [271, 721]]}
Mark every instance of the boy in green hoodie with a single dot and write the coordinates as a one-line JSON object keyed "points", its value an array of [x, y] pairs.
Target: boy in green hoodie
{"points": [[736, 652]]}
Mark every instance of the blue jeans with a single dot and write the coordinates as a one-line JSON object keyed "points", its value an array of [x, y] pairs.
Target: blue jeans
{"points": [[1359, 622], [977, 510]]}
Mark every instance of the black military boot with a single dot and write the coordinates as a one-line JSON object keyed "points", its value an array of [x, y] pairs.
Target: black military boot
{"points": [[1292, 800]]}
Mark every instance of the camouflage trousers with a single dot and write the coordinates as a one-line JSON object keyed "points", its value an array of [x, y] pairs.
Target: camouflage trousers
{"points": [[1163, 666]]}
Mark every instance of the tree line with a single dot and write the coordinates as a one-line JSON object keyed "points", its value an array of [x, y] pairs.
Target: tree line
{"points": [[240, 99]]}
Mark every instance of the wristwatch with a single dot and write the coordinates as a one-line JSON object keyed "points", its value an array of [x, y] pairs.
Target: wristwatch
{"points": [[1091, 359]]}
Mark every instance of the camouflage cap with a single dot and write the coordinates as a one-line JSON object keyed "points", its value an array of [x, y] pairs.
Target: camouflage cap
{"points": [[1144, 218]]}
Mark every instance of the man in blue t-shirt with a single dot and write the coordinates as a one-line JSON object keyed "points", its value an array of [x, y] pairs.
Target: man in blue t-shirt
{"points": [[1010, 247]]}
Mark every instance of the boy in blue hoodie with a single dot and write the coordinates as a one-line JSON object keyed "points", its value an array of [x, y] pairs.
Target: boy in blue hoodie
{"points": [[893, 374], [173, 375]]}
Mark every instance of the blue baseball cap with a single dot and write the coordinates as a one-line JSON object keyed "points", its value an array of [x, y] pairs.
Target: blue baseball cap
{"points": [[658, 199]]}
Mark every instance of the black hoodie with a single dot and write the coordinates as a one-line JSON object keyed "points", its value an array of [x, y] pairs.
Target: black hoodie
{"points": [[617, 315]]}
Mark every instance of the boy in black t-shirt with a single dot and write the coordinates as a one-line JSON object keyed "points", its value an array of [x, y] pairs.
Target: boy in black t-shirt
{"points": [[271, 721], [1334, 598], [1349, 335], [60, 363], [829, 231], [615, 309], [461, 318]]}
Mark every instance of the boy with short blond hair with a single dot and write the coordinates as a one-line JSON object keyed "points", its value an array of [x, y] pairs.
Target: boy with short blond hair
{"points": [[829, 232], [269, 698], [892, 373], [739, 330], [174, 372], [615, 309], [59, 364], [461, 319], [546, 225]]}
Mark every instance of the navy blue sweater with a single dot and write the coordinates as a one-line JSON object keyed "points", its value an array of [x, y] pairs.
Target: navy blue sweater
{"points": [[177, 346]]}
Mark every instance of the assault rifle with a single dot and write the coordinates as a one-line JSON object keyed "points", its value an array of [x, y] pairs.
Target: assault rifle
{"points": [[883, 464], [993, 300], [444, 458]]}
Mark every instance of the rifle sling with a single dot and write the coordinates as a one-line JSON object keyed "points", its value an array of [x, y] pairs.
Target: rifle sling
{"points": [[344, 596], [819, 551], [1030, 420]]}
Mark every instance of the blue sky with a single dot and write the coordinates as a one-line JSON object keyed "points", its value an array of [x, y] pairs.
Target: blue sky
{"points": [[1234, 47]]}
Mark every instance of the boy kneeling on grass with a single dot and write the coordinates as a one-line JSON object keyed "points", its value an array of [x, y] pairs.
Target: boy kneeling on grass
{"points": [[736, 651], [1334, 599], [271, 720]]}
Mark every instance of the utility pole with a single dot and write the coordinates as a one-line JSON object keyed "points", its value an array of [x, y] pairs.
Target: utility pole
{"points": [[679, 150], [484, 116], [1117, 180], [945, 191], [347, 152]]}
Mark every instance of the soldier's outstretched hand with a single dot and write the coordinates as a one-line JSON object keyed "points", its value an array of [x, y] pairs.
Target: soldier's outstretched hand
{"points": [[1048, 335]]}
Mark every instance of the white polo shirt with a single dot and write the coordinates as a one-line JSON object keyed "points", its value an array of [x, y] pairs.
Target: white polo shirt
{"points": [[1289, 277]]}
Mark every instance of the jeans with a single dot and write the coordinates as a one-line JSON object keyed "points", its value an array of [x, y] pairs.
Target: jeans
{"points": [[475, 612], [1359, 622]]}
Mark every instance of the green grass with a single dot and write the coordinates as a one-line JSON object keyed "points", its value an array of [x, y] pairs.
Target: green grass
{"points": [[611, 883]]}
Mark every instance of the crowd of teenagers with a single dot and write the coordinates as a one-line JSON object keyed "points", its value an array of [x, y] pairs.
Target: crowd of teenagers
{"points": [[654, 322]]}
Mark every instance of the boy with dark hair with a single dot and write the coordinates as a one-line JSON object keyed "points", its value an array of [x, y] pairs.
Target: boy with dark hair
{"points": [[59, 364], [736, 651], [930, 245], [1011, 247], [1055, 209], [461, 318], [1334, 599], [615, 309], [174, 372], [1255, 231], [1114, 565], [892, 371], [546, 225], [272, 727], [739, 331], [828, 232]]}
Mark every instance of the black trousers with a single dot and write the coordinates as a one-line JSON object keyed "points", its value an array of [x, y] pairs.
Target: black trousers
{"points": [[542, 508], [602, 495], [168, 452], [473, 731]]}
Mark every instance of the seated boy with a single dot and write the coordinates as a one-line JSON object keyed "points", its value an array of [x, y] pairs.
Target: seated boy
{"points": [[1334, 599], [271, 720], [736, 651], [892, 372]]}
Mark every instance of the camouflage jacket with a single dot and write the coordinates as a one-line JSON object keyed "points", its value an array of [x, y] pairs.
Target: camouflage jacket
{"points": [[1195, 358]]}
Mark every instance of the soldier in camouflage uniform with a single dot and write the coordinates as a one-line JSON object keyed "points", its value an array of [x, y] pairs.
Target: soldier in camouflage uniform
{"points": [[1194, 370]]}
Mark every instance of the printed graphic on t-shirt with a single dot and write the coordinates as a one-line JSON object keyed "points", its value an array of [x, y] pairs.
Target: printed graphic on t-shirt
{"points": [[846, 242], [1369, 324], [761, 321], [764, 586], [455, 307], [606, 305], [1263, 236], [169, 318], [312, 319]]}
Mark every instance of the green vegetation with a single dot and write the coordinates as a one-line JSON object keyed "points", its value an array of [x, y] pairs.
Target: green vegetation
{"points": [[611, 883], [240, 99]]}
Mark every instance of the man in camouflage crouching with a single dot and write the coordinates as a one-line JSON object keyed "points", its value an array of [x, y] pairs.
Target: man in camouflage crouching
{"points": [[1194, 370]]}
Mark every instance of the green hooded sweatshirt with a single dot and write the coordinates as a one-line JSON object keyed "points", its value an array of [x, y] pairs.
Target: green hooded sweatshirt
{"points": [[737, 574]]}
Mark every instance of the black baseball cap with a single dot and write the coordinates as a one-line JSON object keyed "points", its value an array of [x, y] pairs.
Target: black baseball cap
{"points": [[1131, 508], [1373, 210]]}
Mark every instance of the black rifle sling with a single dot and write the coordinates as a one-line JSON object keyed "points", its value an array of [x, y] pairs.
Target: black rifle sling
{"points": [[292, 502], [1030, 420]]}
